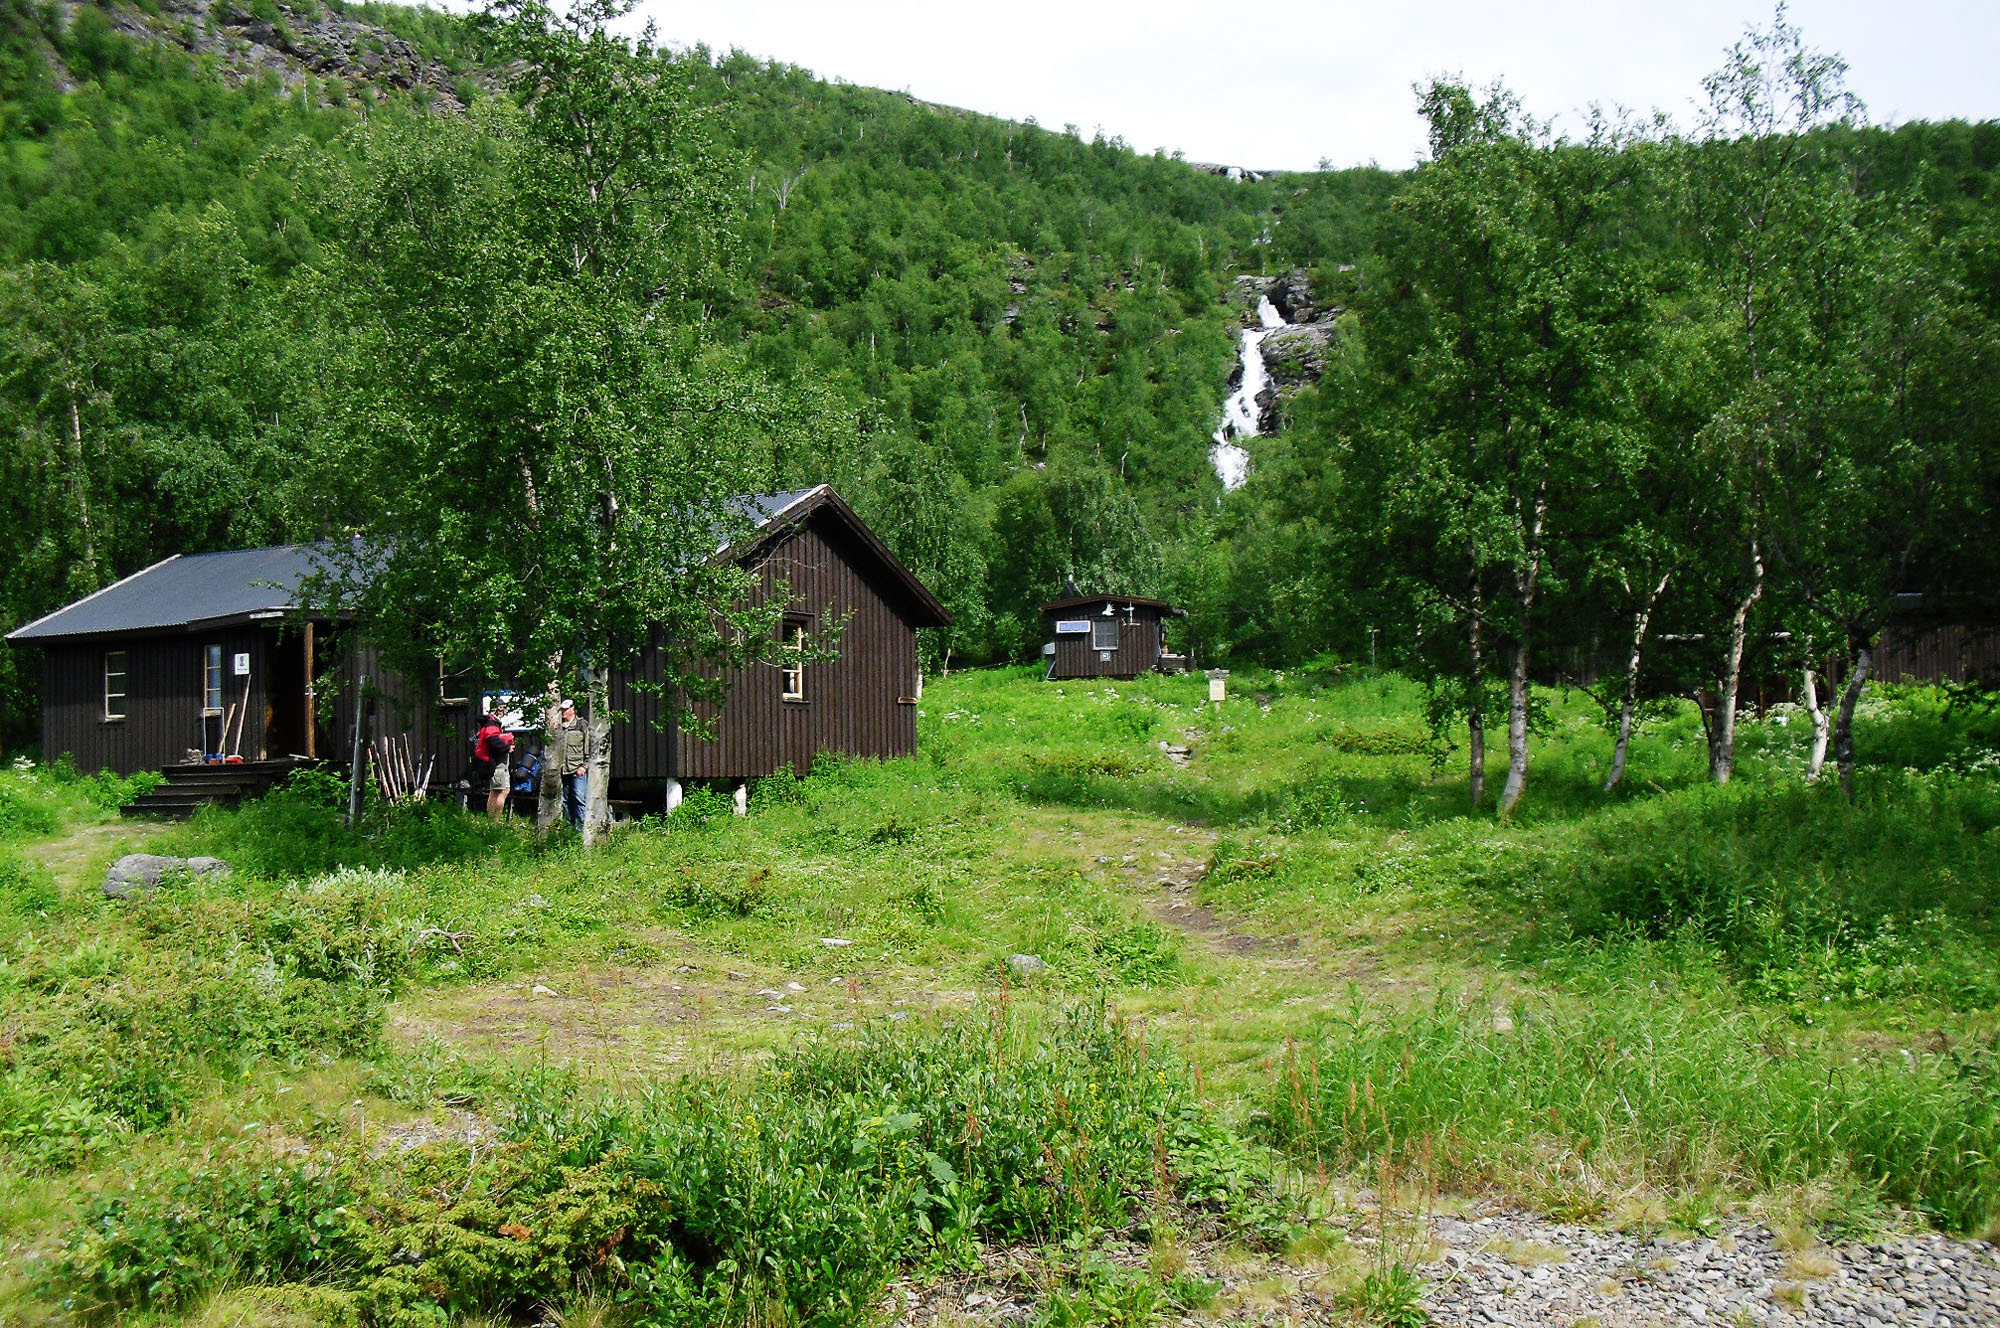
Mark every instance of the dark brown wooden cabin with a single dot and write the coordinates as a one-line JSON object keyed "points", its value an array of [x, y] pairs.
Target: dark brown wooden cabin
{"points": [[142, 674], [1109, 636]]}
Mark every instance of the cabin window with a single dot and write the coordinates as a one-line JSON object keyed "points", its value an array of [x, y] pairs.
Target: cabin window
{"points": [[1104, 633], [114, 684], [451, 688], [793, 670], [211, 680]]}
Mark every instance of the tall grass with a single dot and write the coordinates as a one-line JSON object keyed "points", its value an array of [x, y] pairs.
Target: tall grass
{"points": [[1804, 894], [1576, 1099]]}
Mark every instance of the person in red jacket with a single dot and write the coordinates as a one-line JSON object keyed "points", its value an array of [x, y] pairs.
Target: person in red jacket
{"points": [[491, 747]]}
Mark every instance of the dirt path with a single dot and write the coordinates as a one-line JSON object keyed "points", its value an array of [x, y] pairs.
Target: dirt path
{"points": [[82, 854]]}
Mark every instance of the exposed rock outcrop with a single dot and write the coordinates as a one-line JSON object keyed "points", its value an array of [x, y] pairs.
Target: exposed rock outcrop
{"points": [[1293, 352], [295, 47], [1295, 356]]}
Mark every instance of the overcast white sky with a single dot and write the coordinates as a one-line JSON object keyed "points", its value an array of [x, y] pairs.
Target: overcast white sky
{"points": [[1283, 83]]}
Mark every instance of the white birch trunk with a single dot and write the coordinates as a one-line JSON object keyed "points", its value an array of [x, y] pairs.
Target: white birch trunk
{"points": [[1517, 726], [548, 806], [1822, 724], [1722, 734], [80, 485], [1525, 585], [1863, 658], [597, 761], [1475, 720], [1629, 707]]}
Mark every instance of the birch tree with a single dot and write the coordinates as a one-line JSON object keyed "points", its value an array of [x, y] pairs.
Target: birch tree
{"points": [[533, 436], [1508, 316], [1761, 195]]}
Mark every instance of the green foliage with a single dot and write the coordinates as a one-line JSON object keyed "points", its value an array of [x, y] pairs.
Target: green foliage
{"points": [[1639, 1081], [1804, 894], [117, 1032], [1391, 1297], [162, 1242], [840, 1164], [299, 830]]}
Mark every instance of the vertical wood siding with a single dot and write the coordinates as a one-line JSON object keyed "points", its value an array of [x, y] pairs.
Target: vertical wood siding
{"points": [[399, 707], [859, 703], [1138, 643], [1938, 654], [163, 696]]}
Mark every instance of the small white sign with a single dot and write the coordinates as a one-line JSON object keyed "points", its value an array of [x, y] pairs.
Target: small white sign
{"points": [[1072, 626], [243, 664]]}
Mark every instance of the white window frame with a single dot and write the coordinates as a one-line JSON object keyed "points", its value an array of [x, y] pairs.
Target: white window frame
{"points": [[211, 680], [792, 675], [444, 697], [1097, 633], [111, 694]]}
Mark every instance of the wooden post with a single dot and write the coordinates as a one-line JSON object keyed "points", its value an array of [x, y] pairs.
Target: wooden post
{"points": [[312, 701], [354, 767]]}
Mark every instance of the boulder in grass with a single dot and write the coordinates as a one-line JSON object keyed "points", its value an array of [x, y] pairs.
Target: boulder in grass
{"points": [[140, 873], [1025, 965]]}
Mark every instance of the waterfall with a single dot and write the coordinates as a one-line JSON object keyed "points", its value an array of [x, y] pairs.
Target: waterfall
{"points": [[1239, 413]]}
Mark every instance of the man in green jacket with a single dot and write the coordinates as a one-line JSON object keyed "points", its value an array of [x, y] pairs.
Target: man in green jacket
{"points": [[570, 751]]}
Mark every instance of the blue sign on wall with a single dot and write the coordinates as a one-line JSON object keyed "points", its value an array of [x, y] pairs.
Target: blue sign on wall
{"points": [[1072, 626]]}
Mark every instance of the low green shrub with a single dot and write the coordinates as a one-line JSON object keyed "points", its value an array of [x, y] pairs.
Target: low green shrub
{"points": [[113, 1033], [298, 830], [795, 1196]]}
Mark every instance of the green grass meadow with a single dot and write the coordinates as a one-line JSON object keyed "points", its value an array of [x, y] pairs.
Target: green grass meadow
{"points": [[758, 1070]]}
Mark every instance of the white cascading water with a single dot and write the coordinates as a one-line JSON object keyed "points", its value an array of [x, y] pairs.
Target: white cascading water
{"points": [[1239, 413]]}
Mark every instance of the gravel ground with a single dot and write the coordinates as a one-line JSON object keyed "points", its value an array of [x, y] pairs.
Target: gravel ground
{"points": [[1511, 1268], [1491, 1273]]}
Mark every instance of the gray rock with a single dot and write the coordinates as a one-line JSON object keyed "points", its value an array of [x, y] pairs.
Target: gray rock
{"points": [[1292, 293], [1296, 355], [1025, 964], [142, 873]]}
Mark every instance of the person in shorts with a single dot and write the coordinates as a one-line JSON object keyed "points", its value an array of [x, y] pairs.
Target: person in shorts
{"points": [[491, 748]]}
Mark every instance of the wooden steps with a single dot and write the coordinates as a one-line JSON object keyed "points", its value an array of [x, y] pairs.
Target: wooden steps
{"points": [[189, 787]]}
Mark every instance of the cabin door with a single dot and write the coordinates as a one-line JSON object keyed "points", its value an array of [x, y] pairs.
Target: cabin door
{"points": [[288, 717]]}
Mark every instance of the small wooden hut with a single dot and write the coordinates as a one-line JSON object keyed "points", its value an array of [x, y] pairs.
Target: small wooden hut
{"points": [[1110, 636]]}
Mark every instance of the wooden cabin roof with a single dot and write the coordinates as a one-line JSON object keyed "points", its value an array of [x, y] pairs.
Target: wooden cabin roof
{"points": [[1078, 601], [821, 503], [185, 590]]}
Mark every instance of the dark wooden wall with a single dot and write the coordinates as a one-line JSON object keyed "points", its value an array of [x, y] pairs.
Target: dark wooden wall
{"points": [[400, 708], [1937, 654], [1138, 643], [163, 694], [861, 703]]}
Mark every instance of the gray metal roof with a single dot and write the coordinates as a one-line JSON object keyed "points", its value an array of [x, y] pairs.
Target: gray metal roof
{"points": [[190, 589], [185, 590], [760, 509]]}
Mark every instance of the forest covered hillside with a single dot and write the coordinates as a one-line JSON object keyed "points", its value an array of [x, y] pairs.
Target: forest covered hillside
{"points": [[1008, 345], [1023, 338]]}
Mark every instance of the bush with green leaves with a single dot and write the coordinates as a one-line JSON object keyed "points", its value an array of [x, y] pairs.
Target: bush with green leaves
{"points": [[116, 1031], [299, 830], [803, 1190], [1803, 892]]}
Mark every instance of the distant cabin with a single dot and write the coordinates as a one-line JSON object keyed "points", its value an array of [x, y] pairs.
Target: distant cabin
{"points": [[210, 653], [1110, 636]]}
